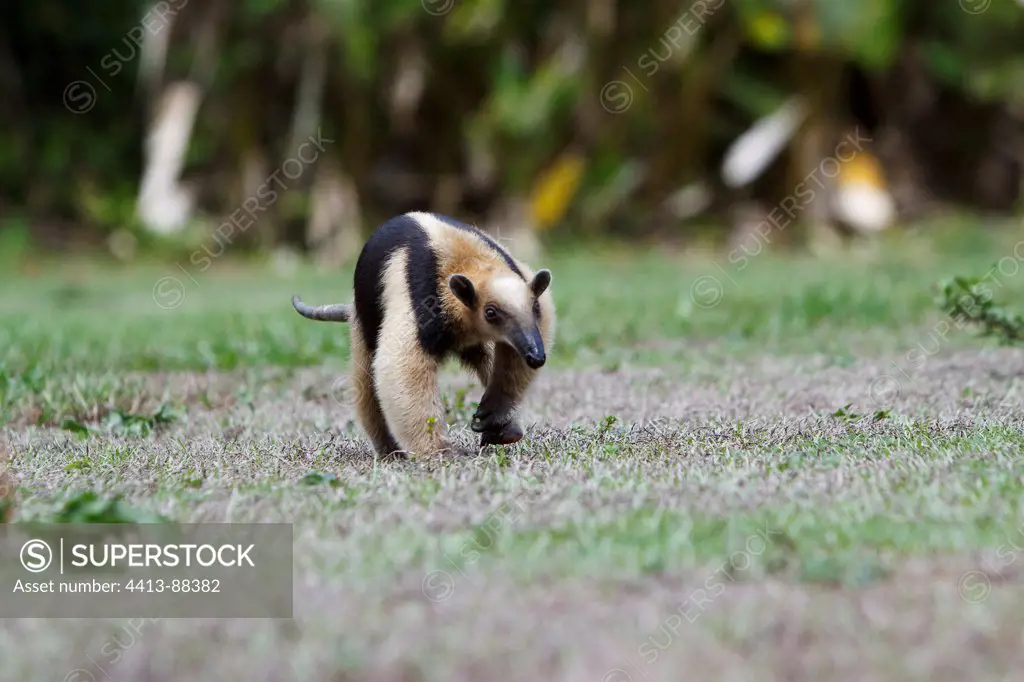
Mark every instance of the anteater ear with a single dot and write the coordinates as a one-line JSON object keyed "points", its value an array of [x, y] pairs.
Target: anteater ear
{"points": [[541, 281], [463, 289]]}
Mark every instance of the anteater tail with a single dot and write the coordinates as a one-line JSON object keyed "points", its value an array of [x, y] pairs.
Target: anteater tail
{"points": [[336, 312]]}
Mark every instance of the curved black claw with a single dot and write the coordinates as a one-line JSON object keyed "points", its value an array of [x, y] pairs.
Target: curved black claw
{"points": [[505, 435]]}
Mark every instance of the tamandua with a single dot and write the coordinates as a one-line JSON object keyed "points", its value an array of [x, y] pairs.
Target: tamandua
{"points": [[426, 288]]}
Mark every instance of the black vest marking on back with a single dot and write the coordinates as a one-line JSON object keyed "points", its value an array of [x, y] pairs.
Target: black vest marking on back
{"points": [[435, 332], [487, 239]]}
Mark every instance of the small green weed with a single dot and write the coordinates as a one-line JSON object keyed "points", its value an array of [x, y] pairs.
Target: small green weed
{"points": [[968, 300]]}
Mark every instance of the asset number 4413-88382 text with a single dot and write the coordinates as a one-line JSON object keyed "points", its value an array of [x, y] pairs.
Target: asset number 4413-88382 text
{"points": [[211, 586]]}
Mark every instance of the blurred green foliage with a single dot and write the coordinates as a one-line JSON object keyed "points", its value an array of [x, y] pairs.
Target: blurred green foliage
{"points": [[519, 83]]}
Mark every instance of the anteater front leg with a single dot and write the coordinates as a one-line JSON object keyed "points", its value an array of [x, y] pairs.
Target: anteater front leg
{"points": [[406, 380], [496, 417]]}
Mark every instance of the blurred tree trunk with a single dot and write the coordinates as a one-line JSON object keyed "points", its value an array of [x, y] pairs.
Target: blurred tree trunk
{"points": [[333, 225], [353, 103], [165, 205], [335, 222], [817, 75], [487, 109]]}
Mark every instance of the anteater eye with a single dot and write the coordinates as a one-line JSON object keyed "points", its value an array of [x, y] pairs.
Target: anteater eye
{"points": [[491, 314]]}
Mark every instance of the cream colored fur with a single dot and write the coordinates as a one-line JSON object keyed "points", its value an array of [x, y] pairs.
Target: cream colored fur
{"points": [[506, 376], [404, 375], [397, 397], [465, 253], [367, 400]]}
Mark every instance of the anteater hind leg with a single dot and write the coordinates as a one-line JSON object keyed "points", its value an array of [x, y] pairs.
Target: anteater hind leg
{"points": [[367, 403], [406, 380]]}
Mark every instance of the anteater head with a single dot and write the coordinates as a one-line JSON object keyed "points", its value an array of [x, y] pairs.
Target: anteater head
{"points": [[504, 308]]}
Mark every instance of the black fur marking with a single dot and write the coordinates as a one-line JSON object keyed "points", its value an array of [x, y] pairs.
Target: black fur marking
{"points": [[435, 332], [487, 239], [473, 355], [540, 282], [463, 290], [368, 287]]}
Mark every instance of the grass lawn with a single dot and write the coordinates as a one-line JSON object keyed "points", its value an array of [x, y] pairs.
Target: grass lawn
{"points": [[750, 468]]}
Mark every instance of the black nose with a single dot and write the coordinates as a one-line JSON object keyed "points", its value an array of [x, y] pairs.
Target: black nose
{"points": [[535, 359]]}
